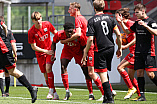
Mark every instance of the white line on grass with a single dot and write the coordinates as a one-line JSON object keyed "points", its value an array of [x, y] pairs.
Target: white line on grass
{"points": [[76, 89]]}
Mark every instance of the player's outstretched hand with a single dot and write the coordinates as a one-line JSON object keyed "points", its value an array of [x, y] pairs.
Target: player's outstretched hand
{"points": [[84, 59], [119, 53]]}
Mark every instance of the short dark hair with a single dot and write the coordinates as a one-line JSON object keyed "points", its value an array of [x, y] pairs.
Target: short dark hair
{"points": [[140, 7], [68, 25]]}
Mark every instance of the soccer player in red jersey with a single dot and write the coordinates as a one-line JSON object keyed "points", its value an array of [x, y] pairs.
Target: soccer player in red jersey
{"points": [[8, 61], [81, 25], [128, 61], [70, 50], [100, 29], [40, 40], [145, 29]]}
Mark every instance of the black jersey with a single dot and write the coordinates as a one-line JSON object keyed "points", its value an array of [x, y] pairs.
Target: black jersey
{"points": [[144, 39], [10, 36], [5, 45], [101, 27]]}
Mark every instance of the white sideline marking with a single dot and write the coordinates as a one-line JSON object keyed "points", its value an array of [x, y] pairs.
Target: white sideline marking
{"points": [[45, 100], [95, 90]]}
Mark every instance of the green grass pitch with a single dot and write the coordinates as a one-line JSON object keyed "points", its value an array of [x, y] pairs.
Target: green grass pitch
{"points": [[20, 95]]}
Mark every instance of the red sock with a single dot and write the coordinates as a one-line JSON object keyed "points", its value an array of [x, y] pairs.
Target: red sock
{"points": [[135, 84], [99, 85], [111, 86], [126, 79], [65, 80], [47, 83], [50, 79], [89, 85]]}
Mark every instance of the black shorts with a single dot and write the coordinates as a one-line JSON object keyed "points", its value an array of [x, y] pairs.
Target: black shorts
{"points": [[145, 61], [103, 59], [7, 60]]}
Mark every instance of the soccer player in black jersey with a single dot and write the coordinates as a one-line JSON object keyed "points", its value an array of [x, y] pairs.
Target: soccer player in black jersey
{"points": [[12, 40], [7, 61], [145, 29], [100, 31]]}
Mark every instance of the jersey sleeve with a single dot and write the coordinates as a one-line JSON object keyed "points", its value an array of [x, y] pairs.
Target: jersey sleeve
{"points": [[31, 38], [113, 23], [12, 39], [153, 24], [1, 22], [129, 23], [90, 28], [77, 23], [56, 38], [52, 28]]}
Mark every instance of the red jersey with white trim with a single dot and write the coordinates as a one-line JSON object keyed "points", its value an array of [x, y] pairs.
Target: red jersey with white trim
{"points": [[144, 39], [130, 36], [74, 46], [41, 36], [80, 21]]}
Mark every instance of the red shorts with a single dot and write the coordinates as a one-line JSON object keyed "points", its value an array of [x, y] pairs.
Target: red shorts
{"points": [[130, 58], [69, 55], [43, 60], [90, 59], [1, 71]]}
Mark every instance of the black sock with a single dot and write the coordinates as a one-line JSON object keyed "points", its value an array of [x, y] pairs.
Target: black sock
{"points": [[1, 85], [25, 83], [154, 79], [141, 85], [107, 91], [7, 84]]}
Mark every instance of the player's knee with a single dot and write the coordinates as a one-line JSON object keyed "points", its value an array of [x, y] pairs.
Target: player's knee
{"points": [[150, 75], [90, 74], [140, 73], [119, 68]]}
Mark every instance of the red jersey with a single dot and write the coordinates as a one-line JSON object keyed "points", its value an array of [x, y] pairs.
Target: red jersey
{"points": [[74, 46], [80, 21], [41, 36], [130, 36]]}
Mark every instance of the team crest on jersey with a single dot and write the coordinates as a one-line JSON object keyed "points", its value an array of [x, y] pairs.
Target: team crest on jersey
{"points": [[154, 25], [45, 29], [90, 58]]}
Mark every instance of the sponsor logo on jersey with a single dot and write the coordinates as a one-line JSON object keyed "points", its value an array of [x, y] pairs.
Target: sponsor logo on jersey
{"points": [[36, 34], [154, 25], [43, 37], [71, 44], [45, 29]]}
